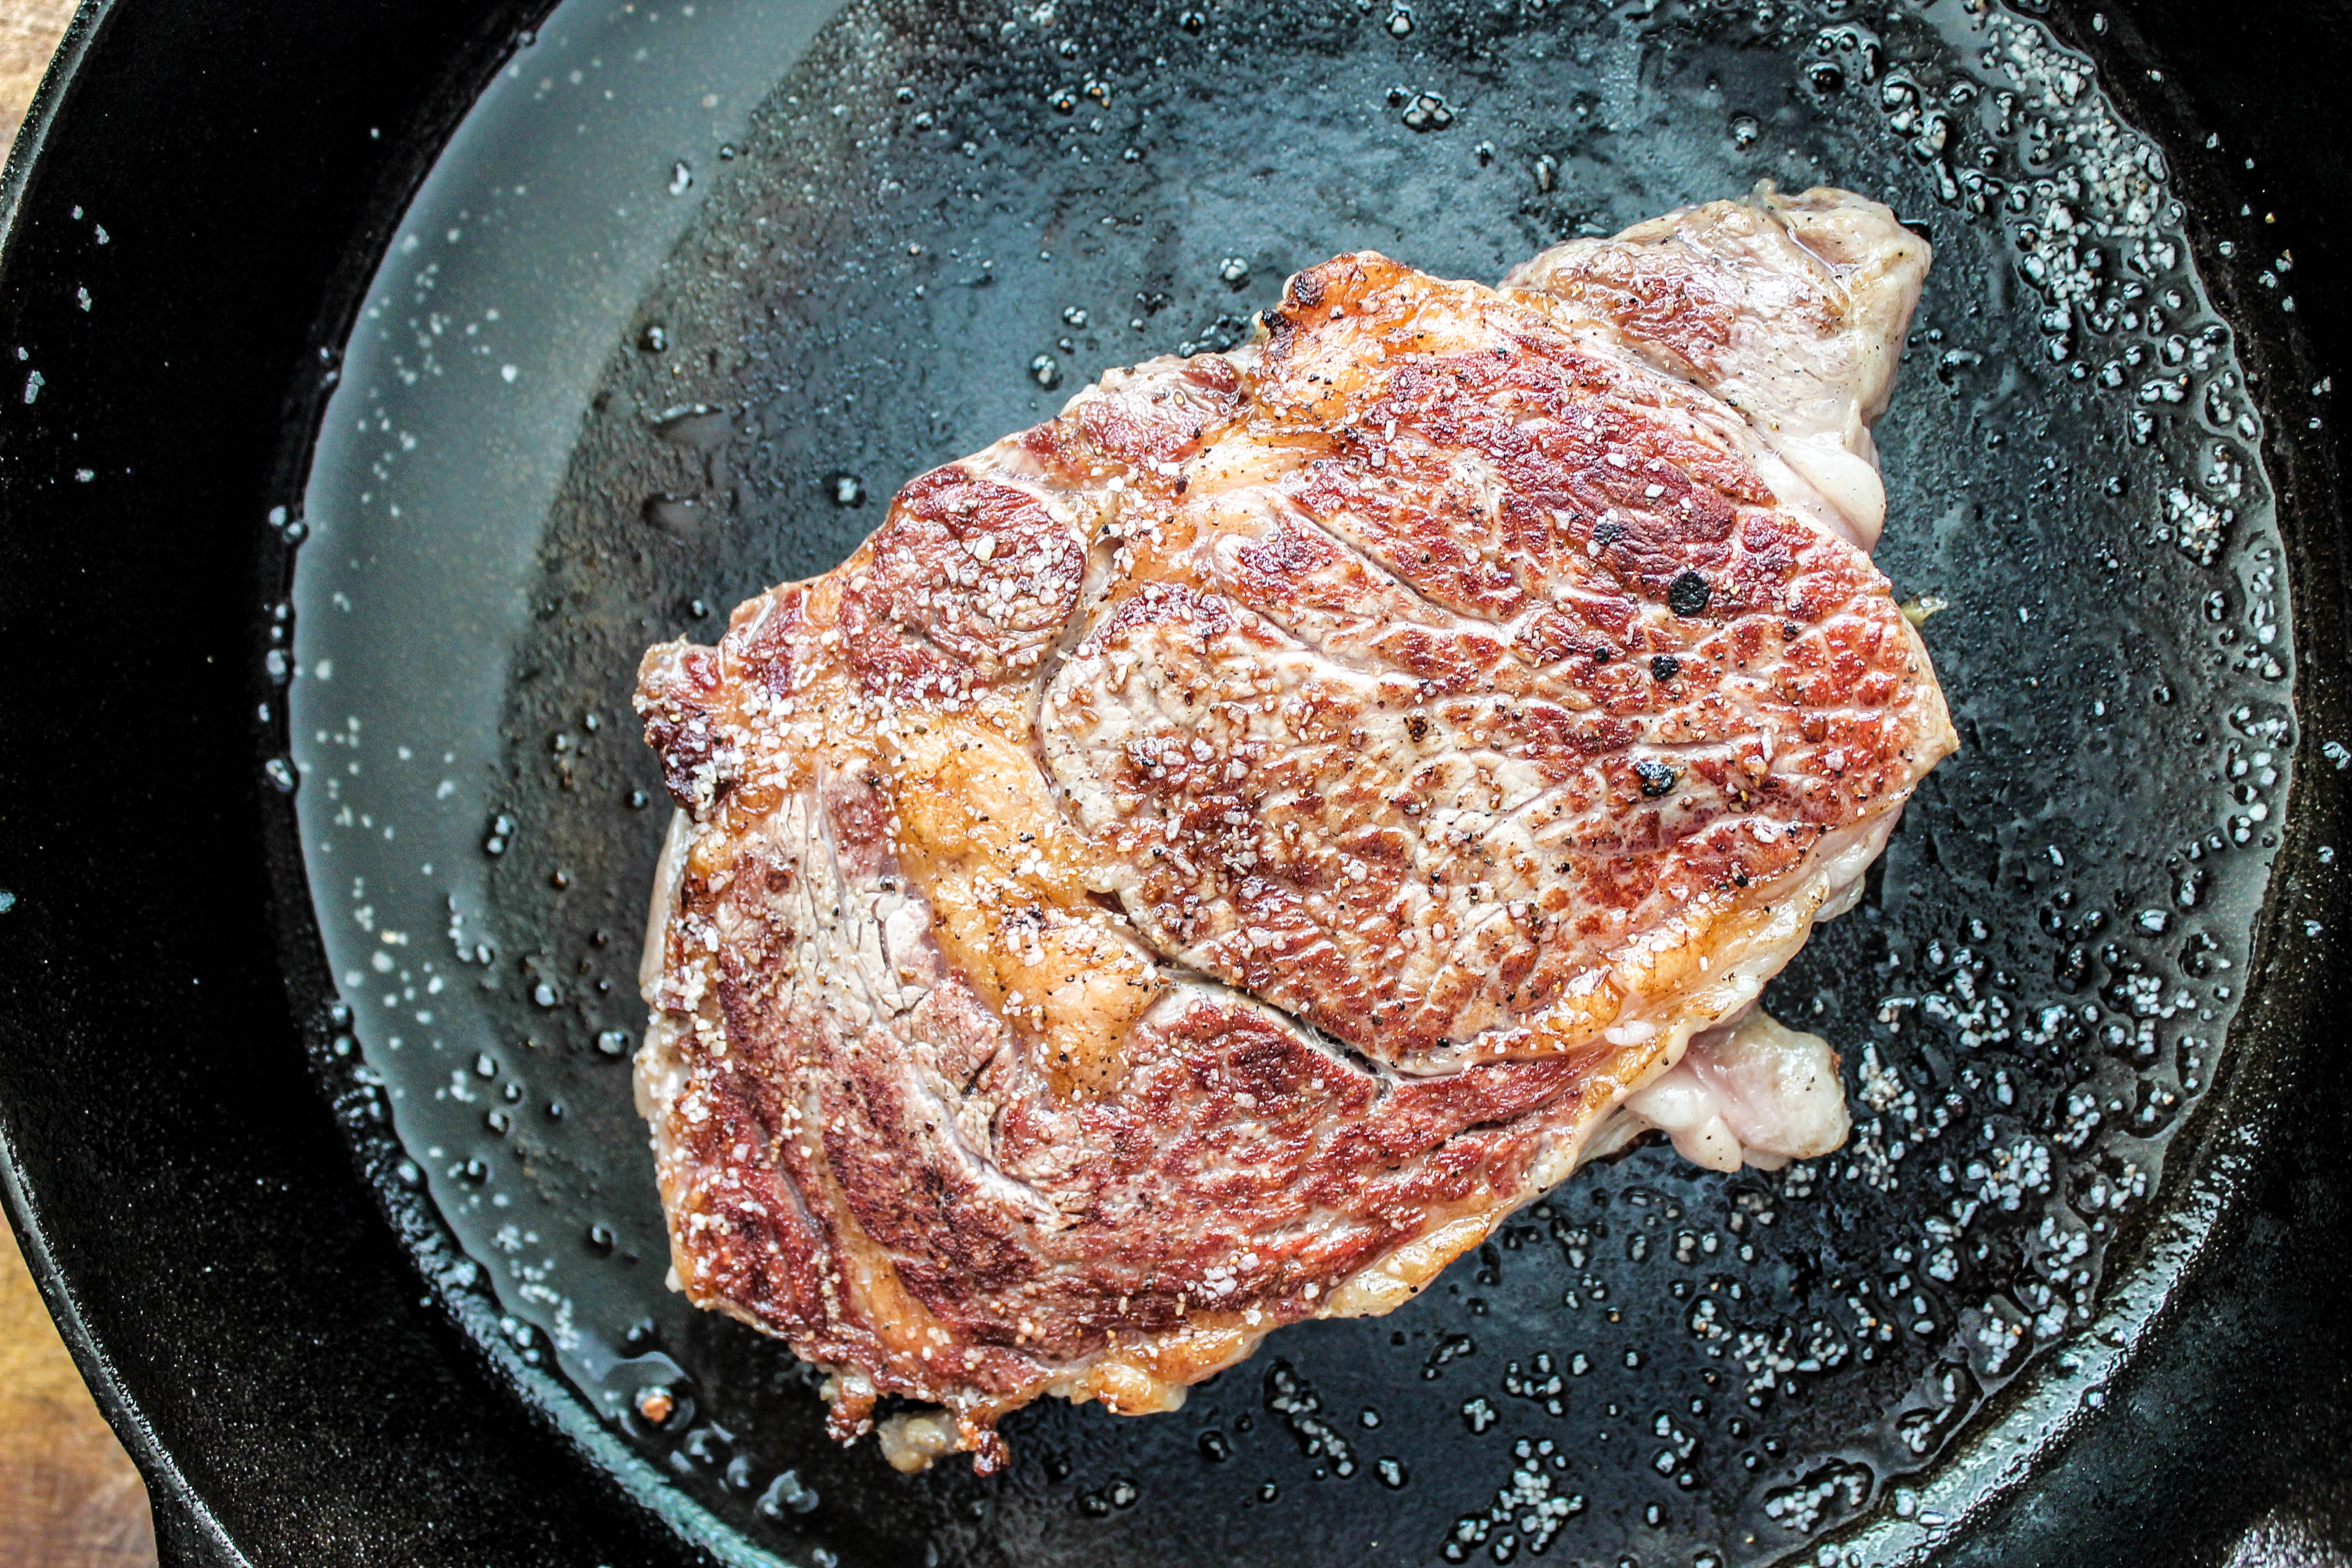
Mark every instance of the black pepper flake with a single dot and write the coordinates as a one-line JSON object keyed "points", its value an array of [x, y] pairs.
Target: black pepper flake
{"points": [[1657, 779], [1665, 666], [1602, 654], [1687, 594]]}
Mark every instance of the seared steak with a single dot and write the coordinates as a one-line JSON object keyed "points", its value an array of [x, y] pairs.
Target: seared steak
{"points": [[1206, 859]]}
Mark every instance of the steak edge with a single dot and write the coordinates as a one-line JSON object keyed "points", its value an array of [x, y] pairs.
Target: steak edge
{"points": [[1208, 858]]}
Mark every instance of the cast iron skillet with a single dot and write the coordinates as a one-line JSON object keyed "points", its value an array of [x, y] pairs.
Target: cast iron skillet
{"points": [[298, 1392]]}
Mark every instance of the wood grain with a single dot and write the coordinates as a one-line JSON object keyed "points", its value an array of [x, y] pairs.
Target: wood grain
{"points": [[29, 31], [68, 1496]]}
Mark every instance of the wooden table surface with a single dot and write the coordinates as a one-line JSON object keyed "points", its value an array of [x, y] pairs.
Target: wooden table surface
{"points": [[68, 1497], [29, 31]]}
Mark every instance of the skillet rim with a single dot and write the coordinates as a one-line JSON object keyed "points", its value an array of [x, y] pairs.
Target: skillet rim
{"points": [[121, 1404]]}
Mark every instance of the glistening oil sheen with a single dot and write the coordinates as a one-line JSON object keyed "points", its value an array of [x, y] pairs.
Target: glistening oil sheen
{"points": [[592, 404]]}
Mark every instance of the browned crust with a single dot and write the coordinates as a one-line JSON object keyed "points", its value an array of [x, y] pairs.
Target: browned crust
{"points": [[931, 1100]]}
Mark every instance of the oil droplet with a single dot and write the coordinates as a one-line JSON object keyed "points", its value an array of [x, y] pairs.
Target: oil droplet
{"points": [[1390, 1471], [655, 1403], [787, 1494], [1745, 131], [847, 489], [673, 515], [1074, 315], [680, 177], [601, 1239], [654, 338], [1192, 22], [1235, 270], [613, 1042], [1215, 1447], [697, 426], [1400, 22], [1047, 370], [1428, 112], [1546, 171]]}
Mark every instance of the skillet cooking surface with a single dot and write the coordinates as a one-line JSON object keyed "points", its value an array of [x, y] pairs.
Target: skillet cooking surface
{"points": [[935, 225], [517, 483]]}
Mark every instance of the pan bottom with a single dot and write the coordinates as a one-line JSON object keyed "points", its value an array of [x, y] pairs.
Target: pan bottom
{"points": [[693, 292]]}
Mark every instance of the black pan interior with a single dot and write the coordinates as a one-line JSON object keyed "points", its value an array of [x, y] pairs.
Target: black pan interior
{"points": [[541, 543], [926, 230]]}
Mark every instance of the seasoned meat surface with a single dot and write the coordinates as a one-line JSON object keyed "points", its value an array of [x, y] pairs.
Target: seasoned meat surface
{"points": [[1207, 859]]}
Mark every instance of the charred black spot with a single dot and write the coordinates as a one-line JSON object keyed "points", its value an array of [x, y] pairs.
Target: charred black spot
{"points": [[1665, 666], [1608, 533], [1657, 779], [1417, 726], [1279, 330], [1602, 653], [1687, 594]]}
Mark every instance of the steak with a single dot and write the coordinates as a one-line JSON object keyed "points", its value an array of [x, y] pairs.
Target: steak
{"points": [[1208, 858]]}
